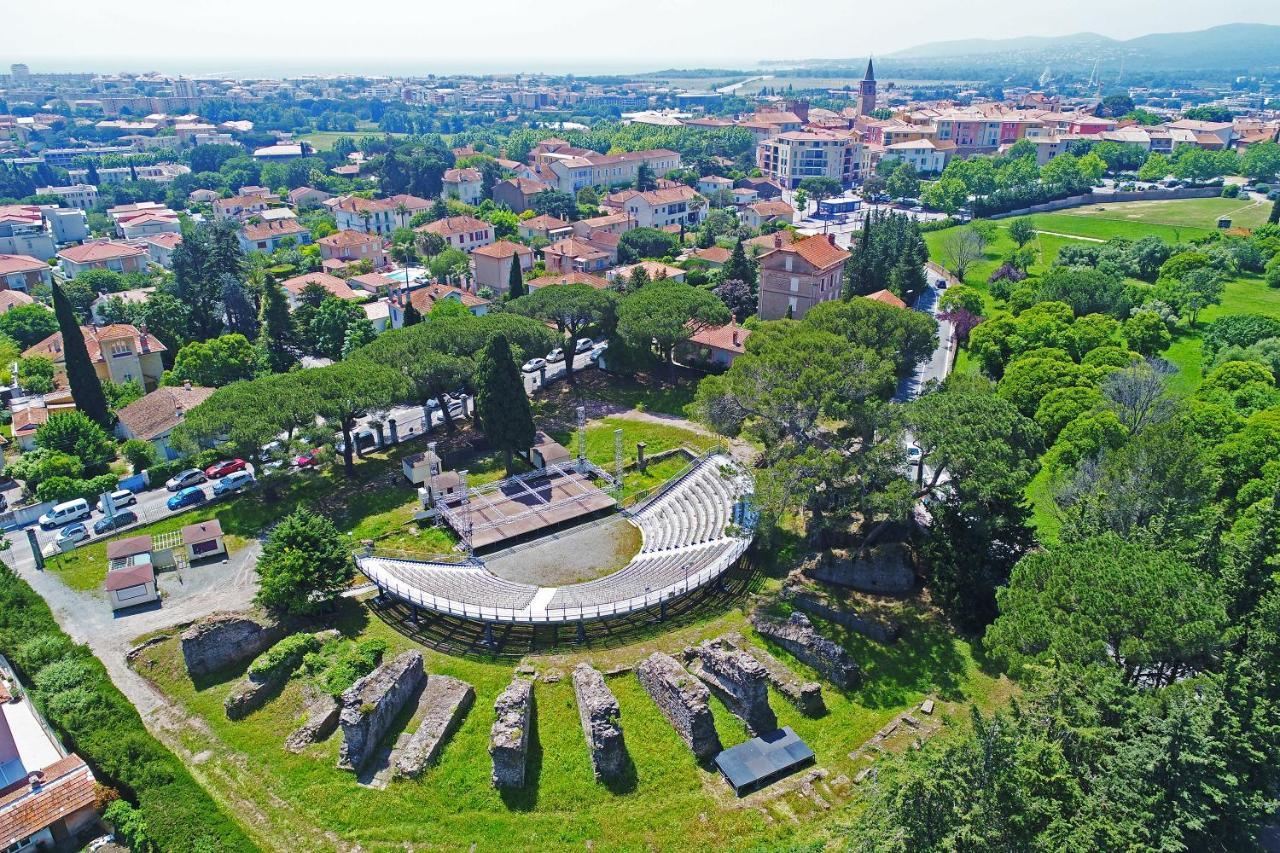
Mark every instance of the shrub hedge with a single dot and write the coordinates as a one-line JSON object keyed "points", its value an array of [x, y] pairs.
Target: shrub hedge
{"points": [[94, 719]]}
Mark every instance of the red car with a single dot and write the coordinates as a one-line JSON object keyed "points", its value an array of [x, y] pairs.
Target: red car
{"points": [[222, 469], [310, 459]]}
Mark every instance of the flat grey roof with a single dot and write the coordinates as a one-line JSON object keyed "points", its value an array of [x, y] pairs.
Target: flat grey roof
{"points": [[763, 760]]}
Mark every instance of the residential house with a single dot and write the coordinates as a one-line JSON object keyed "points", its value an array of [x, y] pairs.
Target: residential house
{"points": [[202, 196], [137, 296], [352, 246], [612, 223], [579, 254], [466, 185], [544, 226], [239, 206], [517, 193], [566, 278], [23, 232], [887, 297], [743, 196], [23, 272], [120, 353], [10, 299], [654, 269], [333, 285], [154, 416], [928, 156], [712, 186], [1208, 134], [305, 197], [83, 196], [713, 257], [491, 265], [47, 795], [570, 169], [756, 215], [378, 312], [714, 346], [375, 283], [794, 277], [766, 188], [461, 232], [133, 221], [102, 255], [160, 248], [267, 236], [680, 206], [425, 298], [376, 215]]}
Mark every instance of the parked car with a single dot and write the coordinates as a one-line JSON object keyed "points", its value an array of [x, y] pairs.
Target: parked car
{"points": [[189, 496], [223, 468], [533, 365], [4, 504], [310, 459], [555, 356], [67, 511], [182, 479], [583, 345], [121, 519], [366, 439], [72, 534], [119, 498], [233, 482]]}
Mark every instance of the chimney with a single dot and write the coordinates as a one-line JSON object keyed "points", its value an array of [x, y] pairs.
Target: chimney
{"points": [[777, 240], [831, 238], [736, 338], [186, 383]]}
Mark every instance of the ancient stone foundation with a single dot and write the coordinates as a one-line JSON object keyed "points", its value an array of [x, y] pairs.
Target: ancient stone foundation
{"points": [[683, 700], [881, 632], [886, 570], [226, 639], [322, 719], [447, 701], [509, 737], [805, 695], [738, 679], [371, 704], [796, 635], [598, 709]]}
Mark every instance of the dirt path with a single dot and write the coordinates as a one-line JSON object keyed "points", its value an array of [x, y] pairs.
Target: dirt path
{"points": [[739, 449]]}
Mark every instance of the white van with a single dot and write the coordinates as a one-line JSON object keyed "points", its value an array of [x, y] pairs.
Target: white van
{"points": [[65, 513]]}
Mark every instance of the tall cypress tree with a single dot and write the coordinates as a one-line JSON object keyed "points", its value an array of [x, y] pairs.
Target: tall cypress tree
{"points": [[515, 281], [502, 406], [412, 316], [277, 330], [86, 389], [1274, 218]]}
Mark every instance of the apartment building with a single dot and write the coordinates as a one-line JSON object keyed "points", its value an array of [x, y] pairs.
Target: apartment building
{"points": [[461, 232], [466, 185], [23, 272], [376, 215], [789, 158], [120, 353], [679, 205], [83, 196], [352, 246], [267, 236], [491, 265]]}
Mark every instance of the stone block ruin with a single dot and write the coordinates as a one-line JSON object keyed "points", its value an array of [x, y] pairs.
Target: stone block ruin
{"points": [[683, 700], [814, 605], [509, 737], [371, 704], [738, 679], [805, 695], [598, 709], [444, 703], [322, 720], [797, 635], [226, 639], [886, 570]]}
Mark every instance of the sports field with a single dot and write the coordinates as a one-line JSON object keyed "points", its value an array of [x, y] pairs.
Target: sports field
{"points": [[1197, 214]]}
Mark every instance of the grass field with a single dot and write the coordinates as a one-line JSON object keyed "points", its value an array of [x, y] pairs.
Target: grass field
{"points": [[1172, 220], [668, 802], [324, 140]]}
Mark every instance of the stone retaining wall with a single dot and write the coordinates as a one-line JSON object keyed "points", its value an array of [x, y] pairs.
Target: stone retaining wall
{"points": [[599, 712], [805, 695], [796, 635], [738, 679], [371, 704], [447, 702], [322, 720], [886, 570], [881, 632], [683, 700], [509, 737], [226, 639]]}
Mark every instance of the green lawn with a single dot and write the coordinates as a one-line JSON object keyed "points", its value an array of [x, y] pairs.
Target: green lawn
{"points": [[1199, 213], [324, 140], [670, 803]]}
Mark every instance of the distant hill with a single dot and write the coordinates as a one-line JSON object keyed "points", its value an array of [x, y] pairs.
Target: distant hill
{"points": [[1230, 46]]}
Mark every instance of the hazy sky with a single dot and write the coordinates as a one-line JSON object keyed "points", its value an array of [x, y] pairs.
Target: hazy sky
{"points": [[258, 36]]}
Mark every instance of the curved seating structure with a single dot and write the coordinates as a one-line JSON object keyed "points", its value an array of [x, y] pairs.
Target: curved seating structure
{"points": [[688, 540]]}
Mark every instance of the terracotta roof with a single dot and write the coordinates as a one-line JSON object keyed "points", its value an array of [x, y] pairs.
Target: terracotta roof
{"points": [[730, 337], [820, 252], [156, 413], [768, 241], [27, 421], [14, 298], [425, 298], [455, 176], [131, 546], [662, 196], [348, 238], [575, 247], [454, 225], [771, 208], [503, 249], [887, 297], [567, 278], [527, 186], [67, 788], [204, 531], [544, 222], [654, 269], [274, 228], [123, 578], [169, 240], [20, 263], [101, 250], [713, 255], [336, 286], [374, 281], [51, 346]]}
